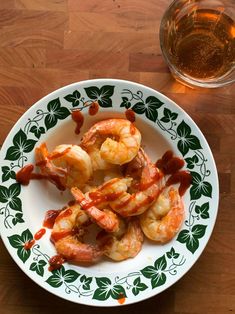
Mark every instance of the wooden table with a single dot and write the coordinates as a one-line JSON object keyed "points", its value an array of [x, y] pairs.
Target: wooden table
{"points": [[46, 44]]}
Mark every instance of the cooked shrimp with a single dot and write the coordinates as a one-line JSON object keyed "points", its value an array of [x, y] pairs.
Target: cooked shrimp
{"points": [[66, 166], [100, 176], [135, 167], [66, 233], [112, 141], [105, 218], [125, 244], [135, 204], [164, 218], [139, 170], [127, 204]]}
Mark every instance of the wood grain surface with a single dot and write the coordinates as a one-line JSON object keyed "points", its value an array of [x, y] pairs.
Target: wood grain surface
{"points": [[46, 44]]}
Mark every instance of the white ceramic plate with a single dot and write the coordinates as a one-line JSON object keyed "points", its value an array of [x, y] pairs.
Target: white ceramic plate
{"points": [[164, 126]]}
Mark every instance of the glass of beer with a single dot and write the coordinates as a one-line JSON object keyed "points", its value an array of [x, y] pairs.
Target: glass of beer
{"points": [[197, 39]]}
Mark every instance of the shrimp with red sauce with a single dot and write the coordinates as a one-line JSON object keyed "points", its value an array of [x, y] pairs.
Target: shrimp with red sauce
{"points": [[115, 192], [66, 166], [96, 203], [67, 236], [116, 187]]}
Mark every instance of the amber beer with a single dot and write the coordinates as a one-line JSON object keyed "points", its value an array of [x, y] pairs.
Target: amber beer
{"points": [[197, 39], [203, 44]]}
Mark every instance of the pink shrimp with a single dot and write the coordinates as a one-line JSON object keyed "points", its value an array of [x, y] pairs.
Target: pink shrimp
{"points": [[125, 244], [115, 193], [146, 190], [67, 231], [105, 218], [163, 219], [66, 166], [111, 141]]}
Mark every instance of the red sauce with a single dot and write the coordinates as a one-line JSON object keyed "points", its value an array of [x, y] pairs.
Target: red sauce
{"points": [[65, 213], [56, 236], [29, 244], [130, 115], [108, 184], [37, 176], [144, 185], [94, 108], [170, 164], [132, 129], [121, 298], [167, 156], [99, 198], [182, 177], [50, 218], [148, 200], [23, 176], [124, 203], [85, 204], [113, 196], [56, 262], [39, 234], [56, 155], [77, 117]]}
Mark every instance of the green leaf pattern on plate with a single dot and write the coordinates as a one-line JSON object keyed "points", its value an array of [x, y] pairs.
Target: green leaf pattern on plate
{"points": [[106, 289], [10, 201], [151, 276], [37, 130], [18, 242], [191, 237], [138, 286], [73, 98], [7, 173], [156, 272], [60, 276], [38, 267], [149, 106], [186, 141], [20, 146], [102, 95]]}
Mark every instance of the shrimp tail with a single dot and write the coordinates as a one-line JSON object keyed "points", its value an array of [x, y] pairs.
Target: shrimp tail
{"points": [[54, 174], [78, 253]]}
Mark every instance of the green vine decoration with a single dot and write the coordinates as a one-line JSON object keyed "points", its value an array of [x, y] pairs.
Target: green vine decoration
{"points": [[9, 197], [157, 274], [40, 260]]}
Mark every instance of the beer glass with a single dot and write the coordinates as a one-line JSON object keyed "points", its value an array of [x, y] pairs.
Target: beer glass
{"points": [[197, 39]]}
